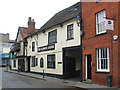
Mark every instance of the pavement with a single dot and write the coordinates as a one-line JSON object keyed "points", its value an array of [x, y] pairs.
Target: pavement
{"points": [[75, 84]]}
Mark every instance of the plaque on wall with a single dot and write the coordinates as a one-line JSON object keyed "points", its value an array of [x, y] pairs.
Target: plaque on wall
{"points": [[46, 48]]}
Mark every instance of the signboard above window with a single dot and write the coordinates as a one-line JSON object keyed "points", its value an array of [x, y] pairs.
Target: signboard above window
{"points": [[5, 55], [46, 48], [109, 24]]}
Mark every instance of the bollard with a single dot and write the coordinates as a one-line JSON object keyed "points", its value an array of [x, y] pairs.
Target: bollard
{"points": [[109, 80], [43, 74]]}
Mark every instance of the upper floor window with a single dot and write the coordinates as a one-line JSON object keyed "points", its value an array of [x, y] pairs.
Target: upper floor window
{"points": [[100, 22], [70, 32], [103, 59], [33, 46], [52, 37]]}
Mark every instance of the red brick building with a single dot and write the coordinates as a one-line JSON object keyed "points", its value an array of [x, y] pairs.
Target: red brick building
{"points": [[101, 52]]}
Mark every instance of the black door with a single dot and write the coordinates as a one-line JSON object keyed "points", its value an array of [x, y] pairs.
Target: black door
{"points": [[21, 64], [70, 64], [88, 66], [28, 64]]}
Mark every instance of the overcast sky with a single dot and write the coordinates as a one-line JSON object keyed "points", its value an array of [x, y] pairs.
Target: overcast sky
{"points": [[15, 13]]}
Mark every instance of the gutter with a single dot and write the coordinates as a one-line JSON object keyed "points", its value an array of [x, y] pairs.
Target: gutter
{"points": [[81, 53]]}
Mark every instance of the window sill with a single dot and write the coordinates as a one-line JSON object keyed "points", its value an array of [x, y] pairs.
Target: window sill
{"points": [[50, 68], [70, 39], [100, 34], [108, 72], [52, 43]]}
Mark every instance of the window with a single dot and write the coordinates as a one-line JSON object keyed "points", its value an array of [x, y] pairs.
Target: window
{"points": [[51, 61], [100, 22], [52, 37], [41, 63], [14, 63], [3, 61], [33, 46], [33, 61], [1, 50], [98, 1], [103, 59], [36, 61], [70, 32]]}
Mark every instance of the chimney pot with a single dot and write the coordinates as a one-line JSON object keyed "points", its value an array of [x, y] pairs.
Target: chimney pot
{"points": [[29, 19]]}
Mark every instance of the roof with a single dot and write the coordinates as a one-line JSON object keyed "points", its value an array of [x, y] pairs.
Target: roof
{"points": [[11, 41], [24, 32], [62, 16]]}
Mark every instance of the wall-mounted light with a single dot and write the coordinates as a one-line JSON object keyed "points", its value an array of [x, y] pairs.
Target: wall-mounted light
{"points": [[60, 25], [44, 32], [115, 37], [78, 19]]}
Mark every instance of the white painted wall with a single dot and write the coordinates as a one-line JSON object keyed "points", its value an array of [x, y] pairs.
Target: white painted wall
{"points": [[14, 68], [61, 43], [19, 38], [20, 53]]}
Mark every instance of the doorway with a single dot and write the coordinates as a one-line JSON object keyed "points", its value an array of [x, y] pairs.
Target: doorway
{"points": [[28, 59], [88, 66], [70, 67], [71, 62], [21, 63]]}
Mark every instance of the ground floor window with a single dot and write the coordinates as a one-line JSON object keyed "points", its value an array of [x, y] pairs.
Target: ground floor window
{"points": [[51, 61], [36, 61], [14, 63], [3, 61], [41, 63], [103, 59], [33, 61]]}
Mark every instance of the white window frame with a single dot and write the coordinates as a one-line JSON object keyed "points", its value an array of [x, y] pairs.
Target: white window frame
{"points": [[101, 21], [100, 58]]}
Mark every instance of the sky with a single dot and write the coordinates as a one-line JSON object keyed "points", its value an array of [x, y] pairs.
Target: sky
{"points": [[15, 13]]}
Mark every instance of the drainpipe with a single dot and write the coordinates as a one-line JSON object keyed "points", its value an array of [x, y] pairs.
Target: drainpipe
{"points": [[81, 62]]}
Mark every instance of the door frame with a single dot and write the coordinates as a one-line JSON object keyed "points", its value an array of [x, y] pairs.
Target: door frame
{"points": [[86, 67], [86, 77]]}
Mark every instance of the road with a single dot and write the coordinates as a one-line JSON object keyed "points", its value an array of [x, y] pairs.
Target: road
{"points": [[11, 80]]}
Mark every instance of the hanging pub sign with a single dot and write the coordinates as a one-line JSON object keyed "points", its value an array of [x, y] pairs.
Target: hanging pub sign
{"points": [[46, 48], [110, 24]]}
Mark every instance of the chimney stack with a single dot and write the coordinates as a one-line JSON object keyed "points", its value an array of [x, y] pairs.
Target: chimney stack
{"points": [[31, 26]]}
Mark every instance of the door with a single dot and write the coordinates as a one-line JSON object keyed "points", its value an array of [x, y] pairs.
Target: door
{"points": [[21, 63], [88, 66], [70, 66], [28, 64]]}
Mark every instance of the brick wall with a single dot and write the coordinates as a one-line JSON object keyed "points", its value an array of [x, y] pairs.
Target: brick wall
{"points": [[91, 41]]}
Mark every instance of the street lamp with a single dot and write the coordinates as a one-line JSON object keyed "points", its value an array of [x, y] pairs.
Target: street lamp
{"points": [[78, 20]]}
